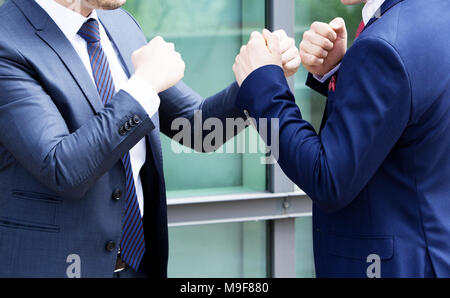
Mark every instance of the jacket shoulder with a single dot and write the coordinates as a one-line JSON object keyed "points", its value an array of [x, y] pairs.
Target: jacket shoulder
{"points": [[122, 17], [415, 28]]}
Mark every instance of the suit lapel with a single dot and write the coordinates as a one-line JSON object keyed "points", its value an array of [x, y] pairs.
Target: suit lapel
{"points": [[58, 42], [49, 32], [115, 33], [387, 5]]}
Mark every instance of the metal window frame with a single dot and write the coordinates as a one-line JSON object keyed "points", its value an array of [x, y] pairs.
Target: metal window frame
{"points": [[280, 205]]}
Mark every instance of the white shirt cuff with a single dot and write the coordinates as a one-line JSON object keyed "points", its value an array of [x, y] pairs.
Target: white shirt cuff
{"points": [[324, 78], [144, 93]]}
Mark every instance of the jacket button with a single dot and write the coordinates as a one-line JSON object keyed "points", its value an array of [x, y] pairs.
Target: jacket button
{"points": [[122, 131], [131, 123], [117, 195], [110, 246], [136, 120], [127, 126]]}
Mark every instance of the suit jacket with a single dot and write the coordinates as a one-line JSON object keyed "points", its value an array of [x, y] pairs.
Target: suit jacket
{"points": [[379, 171], [60, 149]]}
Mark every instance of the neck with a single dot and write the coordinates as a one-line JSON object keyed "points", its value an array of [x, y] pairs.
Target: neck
{"points": [[77, 6]]}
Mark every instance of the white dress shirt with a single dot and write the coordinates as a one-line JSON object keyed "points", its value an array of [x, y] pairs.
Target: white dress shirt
{"points": [[371, 9], [70, 22]]}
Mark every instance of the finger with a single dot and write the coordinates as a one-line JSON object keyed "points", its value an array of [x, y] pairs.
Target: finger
{"points": [[310, 60], [285, 41], [281, 34], [294, 63], [286, 44], [255, 34], [273, 42], [266, 34], [158, 38], [135, 53], [318, 40], [289, 55], [312, 49], [325, 30], [338, 25], [257, 41]]}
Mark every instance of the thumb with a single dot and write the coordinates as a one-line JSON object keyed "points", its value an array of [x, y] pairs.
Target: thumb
{"points": [[273, 42], [338, 25]]}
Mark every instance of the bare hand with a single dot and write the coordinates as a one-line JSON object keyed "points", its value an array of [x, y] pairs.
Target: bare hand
{"points": [[257, 53], [323, 46], [159, 64], [289, 53]]}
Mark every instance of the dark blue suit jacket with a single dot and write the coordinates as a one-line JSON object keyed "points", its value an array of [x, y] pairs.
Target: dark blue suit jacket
{"points": [[60, 149], [379, 171]]}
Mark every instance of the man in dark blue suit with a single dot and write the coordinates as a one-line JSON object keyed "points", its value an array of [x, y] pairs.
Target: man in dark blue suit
{"points": [[378, 172], [83, 100]]}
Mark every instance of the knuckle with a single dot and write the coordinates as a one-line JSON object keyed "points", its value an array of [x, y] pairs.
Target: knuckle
{"points": [[314, 24], [323, 43], [303, 56], [317, 25], [308, 35], [303, 45]]}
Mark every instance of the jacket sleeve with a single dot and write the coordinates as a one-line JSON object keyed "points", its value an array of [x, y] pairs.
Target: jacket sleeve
{"points": [[317, 86], [35, 133], [182, 102], [373, 108]]}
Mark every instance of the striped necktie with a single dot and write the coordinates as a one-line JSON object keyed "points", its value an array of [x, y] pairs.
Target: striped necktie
{"points": [[132, 243]]}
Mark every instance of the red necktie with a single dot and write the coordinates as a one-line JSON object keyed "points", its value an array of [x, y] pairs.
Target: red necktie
{"points": [[360, 28]]}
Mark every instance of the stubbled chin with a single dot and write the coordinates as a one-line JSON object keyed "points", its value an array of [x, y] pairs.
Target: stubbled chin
{"points": [[105, 4], [352, 2]]}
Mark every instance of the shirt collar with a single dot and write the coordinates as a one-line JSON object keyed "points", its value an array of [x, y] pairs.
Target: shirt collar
{"points": [[68, 21], [372, 9]]}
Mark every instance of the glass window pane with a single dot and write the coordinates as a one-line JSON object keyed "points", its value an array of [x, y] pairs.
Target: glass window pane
{"points": [[209, 35], [232, 250], [304, 255]]}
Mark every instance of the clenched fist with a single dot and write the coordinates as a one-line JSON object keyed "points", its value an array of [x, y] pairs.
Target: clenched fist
{"points": [[159, 64], [289, 53], [323, 46], [257, 53]]}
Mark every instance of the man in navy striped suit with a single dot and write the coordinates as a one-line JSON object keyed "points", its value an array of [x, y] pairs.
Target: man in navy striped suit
{"points": [[83, 100]]}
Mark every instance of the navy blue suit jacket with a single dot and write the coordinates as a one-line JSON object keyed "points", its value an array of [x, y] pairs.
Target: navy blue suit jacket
{"points": [[60, 149], [378, 173]]}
